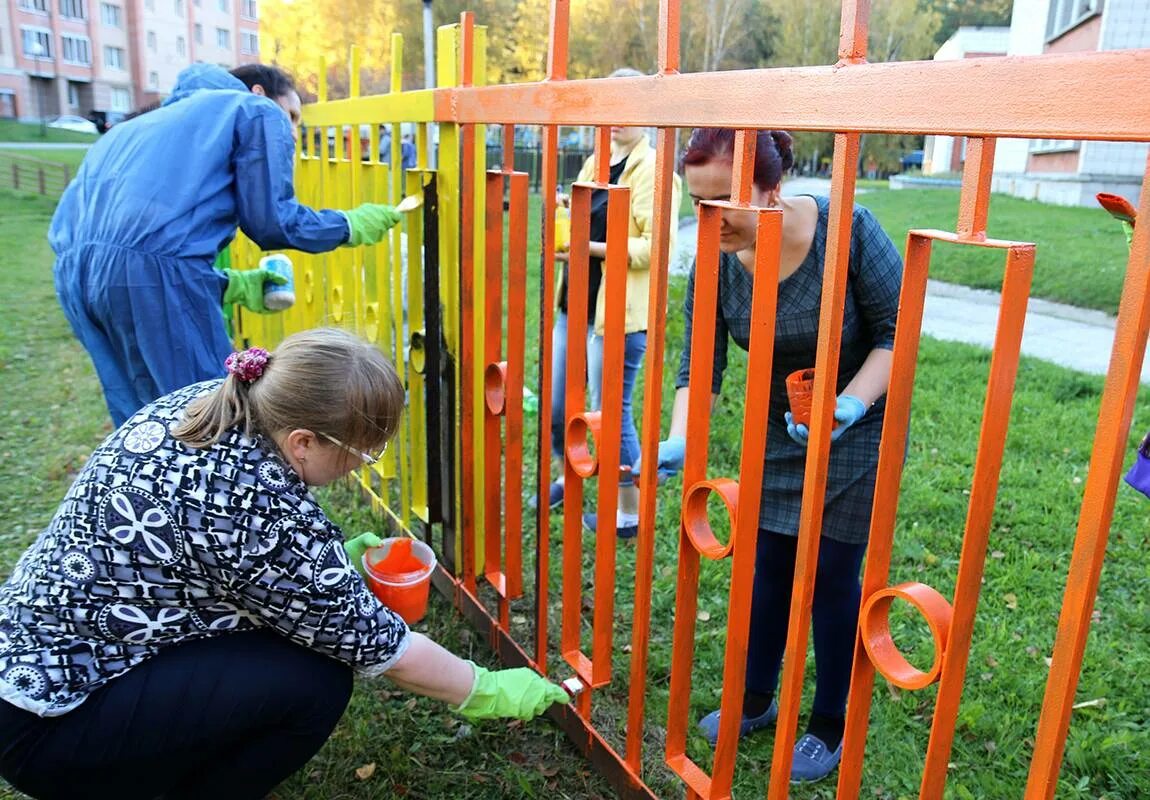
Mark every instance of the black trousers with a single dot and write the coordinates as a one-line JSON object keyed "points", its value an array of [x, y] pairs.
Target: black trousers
{"points": [[226, 717]]}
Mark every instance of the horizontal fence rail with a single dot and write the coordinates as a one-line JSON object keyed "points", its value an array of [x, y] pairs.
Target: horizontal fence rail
{"points": [[34, 175], [450, 295]]}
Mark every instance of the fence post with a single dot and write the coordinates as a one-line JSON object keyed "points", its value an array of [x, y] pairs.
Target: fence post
{"points": [[40, 175], [15, 175]]}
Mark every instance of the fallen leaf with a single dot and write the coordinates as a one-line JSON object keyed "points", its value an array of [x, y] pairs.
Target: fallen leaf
{"points": [[548, 771], [1048, 660], [704, 616], [998, 554], [1097, 702], [1011, 600], [517, 758], [366, 771], [991, 661]]}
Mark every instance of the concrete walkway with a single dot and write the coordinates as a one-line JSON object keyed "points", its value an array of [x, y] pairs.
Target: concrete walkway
{"points": [[1072, 337]]}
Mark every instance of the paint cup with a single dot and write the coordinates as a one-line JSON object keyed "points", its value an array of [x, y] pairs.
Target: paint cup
{"points": [[399, 574], [800, 385], [562, 229], [281, 296]]}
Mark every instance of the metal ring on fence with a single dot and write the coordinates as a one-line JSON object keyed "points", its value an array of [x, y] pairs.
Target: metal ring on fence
{"points": [[495, 388], [337, 303], [371, 322], [696, 522], [874, 622], [416, 351], [579, 455]]}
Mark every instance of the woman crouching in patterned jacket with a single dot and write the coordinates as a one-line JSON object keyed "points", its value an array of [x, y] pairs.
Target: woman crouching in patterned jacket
{"points": [[189, 623]]}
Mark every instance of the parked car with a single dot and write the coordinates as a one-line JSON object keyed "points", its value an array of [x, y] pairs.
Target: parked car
{"points": [[74, 123], [912, 160]]}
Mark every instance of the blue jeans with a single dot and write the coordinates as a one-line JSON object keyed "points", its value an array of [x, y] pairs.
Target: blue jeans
{"points": [[634, 348]]}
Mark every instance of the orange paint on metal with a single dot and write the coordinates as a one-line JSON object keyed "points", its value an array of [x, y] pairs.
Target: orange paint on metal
{"points": [[1110, 441], [743, 166], [469, 352], [492, 355], [578, 268], [516, 353], [602, 155], [668, 57], [1015, 96], [650, 433], [874, 632], [845, 164], [853, 24], [974, 202]]}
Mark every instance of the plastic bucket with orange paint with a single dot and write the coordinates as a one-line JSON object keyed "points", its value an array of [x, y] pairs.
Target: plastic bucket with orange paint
{"points": [[399, 574]]}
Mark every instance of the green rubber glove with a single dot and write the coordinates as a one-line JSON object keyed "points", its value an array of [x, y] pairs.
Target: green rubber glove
{"points": [[246, 287], [369, 222], [355, 548], [521, 693]]}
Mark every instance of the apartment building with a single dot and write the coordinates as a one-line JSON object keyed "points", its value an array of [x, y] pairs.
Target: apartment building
{"points": [[85, 56]]}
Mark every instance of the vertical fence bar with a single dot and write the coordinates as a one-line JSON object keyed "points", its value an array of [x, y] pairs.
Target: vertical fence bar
{"points": [[492, 355], [818, 456], [448, 194], [556, 71], [417, 380], [694, 471], [888, 478], [516, 353], [1115, 412], [663, 220], [974, 202], [398, 307], [980, 514]]}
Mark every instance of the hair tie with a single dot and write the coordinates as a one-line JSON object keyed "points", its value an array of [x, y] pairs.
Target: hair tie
{"points": [[247, 365]]}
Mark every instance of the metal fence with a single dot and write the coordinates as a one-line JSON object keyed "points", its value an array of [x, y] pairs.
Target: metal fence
{"points": [[34, 175], [455, 476]]}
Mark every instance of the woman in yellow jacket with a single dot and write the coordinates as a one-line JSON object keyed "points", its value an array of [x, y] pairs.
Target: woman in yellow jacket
{"points": [[632, 165]]}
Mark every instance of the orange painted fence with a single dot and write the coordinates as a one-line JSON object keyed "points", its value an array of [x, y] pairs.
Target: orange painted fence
{"points": [[1042, 97]]}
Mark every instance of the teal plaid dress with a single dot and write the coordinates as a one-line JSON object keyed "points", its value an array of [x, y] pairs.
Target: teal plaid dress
{"points": [[868, 322]]}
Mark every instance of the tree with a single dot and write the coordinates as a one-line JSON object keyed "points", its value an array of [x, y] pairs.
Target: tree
{"points": [[954, 14]]}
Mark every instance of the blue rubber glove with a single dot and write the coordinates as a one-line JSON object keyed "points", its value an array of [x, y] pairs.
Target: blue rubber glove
{"points": [[848, 410], [370, 222], [355, 548], [520, 693], [246, 287], [672, 451]]}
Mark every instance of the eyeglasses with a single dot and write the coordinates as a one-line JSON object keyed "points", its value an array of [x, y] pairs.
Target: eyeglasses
{"points": [[366, 458]]}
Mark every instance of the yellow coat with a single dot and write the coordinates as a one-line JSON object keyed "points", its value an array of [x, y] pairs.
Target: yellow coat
{"points": [[639, 175]]}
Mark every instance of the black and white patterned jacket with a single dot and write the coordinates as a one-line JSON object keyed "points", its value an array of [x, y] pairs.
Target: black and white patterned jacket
{"points": [[158, 543]]}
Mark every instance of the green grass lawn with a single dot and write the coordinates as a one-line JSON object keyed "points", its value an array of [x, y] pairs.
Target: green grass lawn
{"points": [[1081, 252], [55, 415], [70, 157], [13, 131]]}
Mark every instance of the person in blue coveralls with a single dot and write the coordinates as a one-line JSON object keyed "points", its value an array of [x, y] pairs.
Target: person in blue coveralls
{"points": [[154, 203]]}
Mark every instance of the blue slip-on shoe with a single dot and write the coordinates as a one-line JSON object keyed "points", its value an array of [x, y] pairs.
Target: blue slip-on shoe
{"points": [[813, 761], [709, 724], [555, 495], [591, 523]]}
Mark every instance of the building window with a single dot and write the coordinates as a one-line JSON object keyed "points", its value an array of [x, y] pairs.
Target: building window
{"points": [[181, 46], [150, 5], [152, 41], [37, 43], [199, 33], [72, 9], [7, 104], [113, 16], [121, 100], [179, 7], [249, 9], [35, 5], [153, 80], [1066, 14], [223, 5], [73, 95], [76, 49], [114, 57], [224, 38], [249, 43], [1040, 146]]}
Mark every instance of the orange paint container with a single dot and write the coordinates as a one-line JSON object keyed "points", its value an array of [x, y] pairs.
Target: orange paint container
{"points": [[399, 574], [800, 384]]}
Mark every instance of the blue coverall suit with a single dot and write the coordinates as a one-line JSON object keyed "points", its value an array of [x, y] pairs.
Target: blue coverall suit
{"points": [[156, 199]]}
